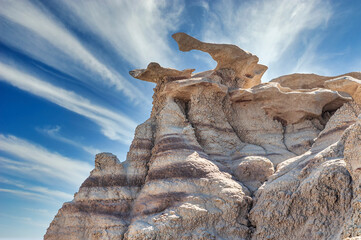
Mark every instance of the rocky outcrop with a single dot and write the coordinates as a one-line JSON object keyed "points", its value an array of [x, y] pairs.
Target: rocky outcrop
{"points": [[224, 157], [305, 104], [310, 195], [351, 142], [245, 65], [346, 84], [155, 72], [309, 81]]}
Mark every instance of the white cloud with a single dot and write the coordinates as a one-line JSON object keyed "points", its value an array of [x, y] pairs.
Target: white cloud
{"points": [[114, 125], [39, 211], [55, 134], [31, 191], [24, 220], [43, 163], [42, 194], [56, 194], [137, 30], [39, 21], [267, 28]]}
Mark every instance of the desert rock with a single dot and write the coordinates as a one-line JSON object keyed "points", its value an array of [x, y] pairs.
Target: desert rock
{"points": [[225, 157], [348, 85], [227, 56], [305, 103], [309, 81], [154, 72]]}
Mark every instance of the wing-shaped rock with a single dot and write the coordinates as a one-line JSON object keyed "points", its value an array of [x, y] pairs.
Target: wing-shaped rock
{"points": [[244, 64], [154, 73]]}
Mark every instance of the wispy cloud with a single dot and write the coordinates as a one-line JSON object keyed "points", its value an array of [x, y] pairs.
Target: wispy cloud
{"points": [[267, 28], [43, 195], [114, 125], [137, 30], [54, 133], [32, 192], [39, 22], [46, 164], [24, 220], [30, 170], [39, 211]]}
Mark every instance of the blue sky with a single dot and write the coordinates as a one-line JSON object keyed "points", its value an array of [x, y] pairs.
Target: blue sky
{"points": [[66, 93]]}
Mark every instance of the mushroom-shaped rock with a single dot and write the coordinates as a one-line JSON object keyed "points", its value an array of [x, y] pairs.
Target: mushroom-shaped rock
{"points": [[244, 64], [348, 85], [155, 72], [308, 81], [253, 171], [290, 106]]}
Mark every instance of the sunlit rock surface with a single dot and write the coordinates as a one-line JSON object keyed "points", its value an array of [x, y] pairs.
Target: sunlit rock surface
{"points": [[223, 156], [348, 85]]}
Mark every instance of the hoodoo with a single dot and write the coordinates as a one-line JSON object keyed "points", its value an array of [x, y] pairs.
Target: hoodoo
{"points": [[224, 156]]}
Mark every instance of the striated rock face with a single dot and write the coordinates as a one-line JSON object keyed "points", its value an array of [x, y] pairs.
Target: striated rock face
{"points": [[220, 160]]}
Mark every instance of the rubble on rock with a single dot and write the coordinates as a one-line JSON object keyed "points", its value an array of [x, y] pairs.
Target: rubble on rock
{"points": [[225, 157]]}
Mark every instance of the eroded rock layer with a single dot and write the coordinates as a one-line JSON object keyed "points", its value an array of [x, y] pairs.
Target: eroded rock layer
{"points": [[220, 160]]}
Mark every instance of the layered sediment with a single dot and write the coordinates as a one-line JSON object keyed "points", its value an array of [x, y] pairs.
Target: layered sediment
{"points": [[225, 157]]}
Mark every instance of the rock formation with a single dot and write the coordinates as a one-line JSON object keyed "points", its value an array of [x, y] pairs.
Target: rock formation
{"points": [[348, 85], [309, 81], [245, 65], [225, 157]]}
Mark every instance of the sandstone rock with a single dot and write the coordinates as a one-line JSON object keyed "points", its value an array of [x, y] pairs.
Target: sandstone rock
{"points": [[219, 161], [227, 56], [308, 81], [253, 171], [351, 141], [102, 207], [309, 190], [348, 85], [300, 104], [155, 72]]}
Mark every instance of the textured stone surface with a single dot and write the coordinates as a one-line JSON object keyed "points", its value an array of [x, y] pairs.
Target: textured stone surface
{"points": [[253, 171], [309, 196], [304, 104], [348, 85], [308, 81], [351, 141], [219, 160]]}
